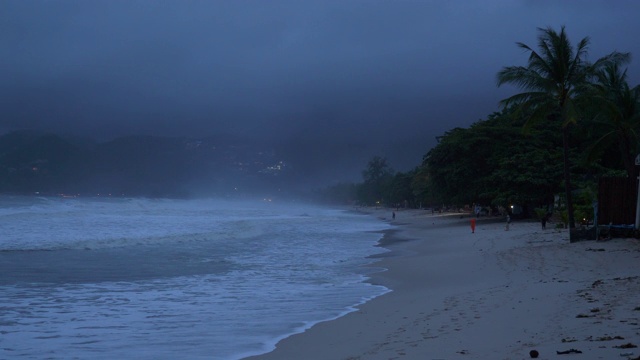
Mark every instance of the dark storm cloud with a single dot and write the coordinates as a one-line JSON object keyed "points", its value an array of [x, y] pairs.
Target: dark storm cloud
{"points": [[387, 76]]}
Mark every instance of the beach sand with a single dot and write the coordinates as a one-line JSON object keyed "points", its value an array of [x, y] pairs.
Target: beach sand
{"points": [[492, 294]]}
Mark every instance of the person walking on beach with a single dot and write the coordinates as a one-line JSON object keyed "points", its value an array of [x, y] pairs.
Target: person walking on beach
{"points": [[393, 215], [508, 222], [473, 226]]}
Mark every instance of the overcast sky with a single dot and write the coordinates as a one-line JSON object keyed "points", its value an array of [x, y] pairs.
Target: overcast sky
{"points": [[378, 77]]}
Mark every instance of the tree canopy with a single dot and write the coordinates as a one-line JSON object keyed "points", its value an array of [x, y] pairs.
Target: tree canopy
{"points": [[573, 118], [555, 83]]}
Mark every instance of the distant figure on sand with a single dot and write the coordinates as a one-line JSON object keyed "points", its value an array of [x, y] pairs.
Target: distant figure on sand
{"points": [[508, 222], [544, 222], [393, 215], [473, 226]]}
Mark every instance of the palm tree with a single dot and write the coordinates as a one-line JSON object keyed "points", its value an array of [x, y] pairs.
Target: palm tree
{"points": [[554, 82], [617, 115]]}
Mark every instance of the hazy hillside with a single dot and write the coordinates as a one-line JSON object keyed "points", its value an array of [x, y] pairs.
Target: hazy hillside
{"points": [[33, 162]]}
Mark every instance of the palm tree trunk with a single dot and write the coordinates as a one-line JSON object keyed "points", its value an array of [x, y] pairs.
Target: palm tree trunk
{"points": [[567, 177]]}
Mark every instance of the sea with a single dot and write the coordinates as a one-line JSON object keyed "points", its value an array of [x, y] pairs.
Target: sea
{"points": [[132, 278]]}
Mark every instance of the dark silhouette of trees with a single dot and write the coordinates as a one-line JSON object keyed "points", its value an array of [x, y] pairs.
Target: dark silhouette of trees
{"points": [[616, 116], [494, 163], [554, 82], [377, 177]]}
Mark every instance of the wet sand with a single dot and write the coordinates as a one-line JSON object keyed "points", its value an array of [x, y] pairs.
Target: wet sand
{"points": [[492, 294]]}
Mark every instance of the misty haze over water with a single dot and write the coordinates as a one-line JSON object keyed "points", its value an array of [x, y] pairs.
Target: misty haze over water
{"points": [[324, 84]]}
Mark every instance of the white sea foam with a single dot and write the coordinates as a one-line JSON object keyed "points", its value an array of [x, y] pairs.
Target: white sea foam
{"points": [[139, 278]]}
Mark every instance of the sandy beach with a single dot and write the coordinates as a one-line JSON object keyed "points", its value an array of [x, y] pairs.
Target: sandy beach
{"points": [[492, 294]]}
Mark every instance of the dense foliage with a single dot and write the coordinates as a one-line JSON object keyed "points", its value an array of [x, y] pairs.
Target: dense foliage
{"points": [[575, 120], [555, 84], [495, 162]]}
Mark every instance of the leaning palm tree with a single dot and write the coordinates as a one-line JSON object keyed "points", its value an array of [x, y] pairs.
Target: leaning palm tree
{"points": [[554, 82], [617, 115]]}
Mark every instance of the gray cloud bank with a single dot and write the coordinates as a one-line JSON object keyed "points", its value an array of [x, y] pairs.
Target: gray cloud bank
{"points": [[338, 81]]}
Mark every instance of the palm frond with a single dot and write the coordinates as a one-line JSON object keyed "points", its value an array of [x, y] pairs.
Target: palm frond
{"points": [[611, 59], [594, 150]]}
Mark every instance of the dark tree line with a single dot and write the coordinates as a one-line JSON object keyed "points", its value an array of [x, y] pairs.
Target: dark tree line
{"points": [[574, 122]]}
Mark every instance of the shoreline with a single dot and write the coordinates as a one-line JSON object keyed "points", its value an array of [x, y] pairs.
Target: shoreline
{"points": [[490, 294]]}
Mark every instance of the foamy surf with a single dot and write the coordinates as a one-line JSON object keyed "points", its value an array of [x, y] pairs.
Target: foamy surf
{"points": [[173, 278]]}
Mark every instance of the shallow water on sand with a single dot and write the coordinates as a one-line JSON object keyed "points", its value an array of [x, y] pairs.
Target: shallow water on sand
{"points": [[139, 278]]}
